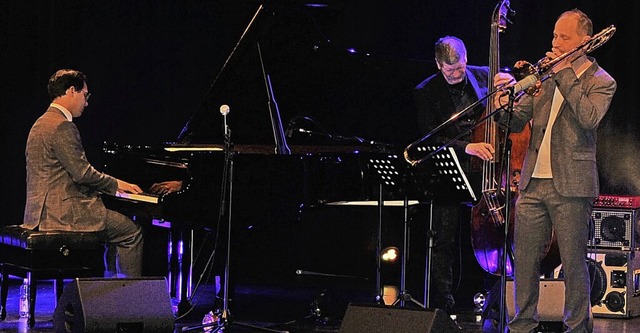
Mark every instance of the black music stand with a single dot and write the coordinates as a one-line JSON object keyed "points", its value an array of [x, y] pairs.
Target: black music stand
{"points": [[441, 176]]}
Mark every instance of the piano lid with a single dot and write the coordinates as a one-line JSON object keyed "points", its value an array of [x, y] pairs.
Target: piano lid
{"points": [[313, 76]]}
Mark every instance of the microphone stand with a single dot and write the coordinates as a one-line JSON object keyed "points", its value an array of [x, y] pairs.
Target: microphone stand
{"points": [[224, 319], [228, 185], [337, 137], [507, 211], [515, 91]]}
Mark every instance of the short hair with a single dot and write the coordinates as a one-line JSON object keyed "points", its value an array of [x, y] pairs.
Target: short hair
{"points": [[62, 80], [450, 50], [585, 26]]}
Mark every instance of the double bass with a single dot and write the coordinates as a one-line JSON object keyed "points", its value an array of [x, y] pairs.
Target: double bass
{"points": [[488, 220]]}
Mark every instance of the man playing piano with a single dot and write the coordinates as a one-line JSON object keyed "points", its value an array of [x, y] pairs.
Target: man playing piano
{"points": [[63, 189]]}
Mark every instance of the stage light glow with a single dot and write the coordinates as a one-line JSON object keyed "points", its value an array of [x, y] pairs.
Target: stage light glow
{"points": [[390, 254]]}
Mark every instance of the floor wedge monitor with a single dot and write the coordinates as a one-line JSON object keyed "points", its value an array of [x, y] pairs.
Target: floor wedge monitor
{"points": [[95, 305], [367, 318]]}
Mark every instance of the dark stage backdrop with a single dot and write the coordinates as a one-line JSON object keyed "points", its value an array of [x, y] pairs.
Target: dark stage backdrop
{"points": [[350, 65]]}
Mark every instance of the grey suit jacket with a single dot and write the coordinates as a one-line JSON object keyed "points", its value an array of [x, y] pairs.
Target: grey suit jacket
{"points": [[573, 136], [62, 186]]}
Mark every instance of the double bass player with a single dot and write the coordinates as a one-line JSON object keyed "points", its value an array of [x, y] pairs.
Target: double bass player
{"points": [[455, 86]]}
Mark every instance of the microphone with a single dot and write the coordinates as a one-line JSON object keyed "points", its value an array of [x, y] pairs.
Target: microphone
{"points": [[521, 85], [224, 109]]}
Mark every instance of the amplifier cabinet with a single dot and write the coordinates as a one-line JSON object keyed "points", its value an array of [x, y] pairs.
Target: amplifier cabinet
{"points": [[621, 270], [614, 228]]}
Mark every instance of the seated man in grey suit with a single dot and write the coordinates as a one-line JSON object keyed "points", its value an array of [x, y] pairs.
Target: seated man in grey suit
{"points": [[63, 189]]}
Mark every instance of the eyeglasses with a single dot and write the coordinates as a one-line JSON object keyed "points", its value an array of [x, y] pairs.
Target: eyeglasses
{"points": [[86, 95]]}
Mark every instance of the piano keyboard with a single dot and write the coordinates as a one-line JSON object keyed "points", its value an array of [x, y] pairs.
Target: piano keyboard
{"points": [[144, 197]]}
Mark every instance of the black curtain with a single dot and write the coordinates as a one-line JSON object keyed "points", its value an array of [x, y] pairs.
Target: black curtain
{"points": [[350, 65]]}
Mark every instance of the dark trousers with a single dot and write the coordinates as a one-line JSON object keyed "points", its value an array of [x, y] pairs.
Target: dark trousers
{"points": [[445, 225]]}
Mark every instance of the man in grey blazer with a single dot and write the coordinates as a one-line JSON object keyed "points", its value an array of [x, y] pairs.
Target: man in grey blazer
{"points": [[559, 178], [63, 189]]}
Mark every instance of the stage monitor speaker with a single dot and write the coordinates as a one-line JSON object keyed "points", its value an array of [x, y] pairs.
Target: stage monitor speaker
{"points": [[130, 305], [367, 318], [614, 228], [550, 301], [622, 276]]}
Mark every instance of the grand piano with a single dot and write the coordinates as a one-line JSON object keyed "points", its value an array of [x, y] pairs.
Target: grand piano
{"points": [[289, 153], [270, 192]]}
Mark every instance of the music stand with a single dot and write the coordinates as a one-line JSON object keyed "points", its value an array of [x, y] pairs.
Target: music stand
{"points": [[441, 176]]}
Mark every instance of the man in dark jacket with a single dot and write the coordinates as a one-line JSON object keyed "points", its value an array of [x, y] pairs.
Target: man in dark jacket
{"points": [[455, 87]]}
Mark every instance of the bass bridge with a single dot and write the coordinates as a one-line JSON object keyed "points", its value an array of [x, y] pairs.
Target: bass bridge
{"points": [[494, 206]]}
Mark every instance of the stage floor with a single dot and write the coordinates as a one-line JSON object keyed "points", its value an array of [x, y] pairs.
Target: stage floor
{"points": [[255, 306]]}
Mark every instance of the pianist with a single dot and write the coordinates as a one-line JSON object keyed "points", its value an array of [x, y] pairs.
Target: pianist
{"points": [[62, 186]]}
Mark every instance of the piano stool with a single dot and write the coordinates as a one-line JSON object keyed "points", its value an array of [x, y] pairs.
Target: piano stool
{"points": [[44, 255]]}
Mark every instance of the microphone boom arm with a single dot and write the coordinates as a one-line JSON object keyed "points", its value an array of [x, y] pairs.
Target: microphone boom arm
{"points": [[518, 87]]}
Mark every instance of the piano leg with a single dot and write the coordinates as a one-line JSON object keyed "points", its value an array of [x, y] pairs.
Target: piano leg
{"points": [[181, 267]]}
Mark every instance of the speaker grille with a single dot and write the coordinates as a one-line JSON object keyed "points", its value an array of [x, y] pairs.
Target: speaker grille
{"points": [[614, 228]]}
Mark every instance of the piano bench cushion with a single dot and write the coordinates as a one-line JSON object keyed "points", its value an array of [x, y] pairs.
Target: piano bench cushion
{"points": [[14, 235]]}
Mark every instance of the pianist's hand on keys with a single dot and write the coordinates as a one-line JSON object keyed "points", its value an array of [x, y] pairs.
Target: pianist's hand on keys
{"points": [[128, 187], [166, 187]]}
